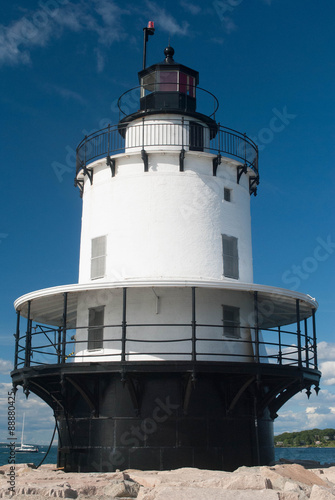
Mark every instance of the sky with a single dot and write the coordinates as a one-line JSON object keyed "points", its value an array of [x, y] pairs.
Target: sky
{"points": [[64, 64]]}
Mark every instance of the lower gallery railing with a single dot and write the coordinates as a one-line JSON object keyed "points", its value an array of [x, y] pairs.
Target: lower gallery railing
{"points": [[43, 345]]}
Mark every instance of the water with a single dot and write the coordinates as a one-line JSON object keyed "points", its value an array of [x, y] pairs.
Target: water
{"points": [[322, 455], [35, 458]]}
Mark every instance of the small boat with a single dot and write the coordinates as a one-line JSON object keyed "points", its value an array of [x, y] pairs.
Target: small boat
{"points": [[25, 448]]}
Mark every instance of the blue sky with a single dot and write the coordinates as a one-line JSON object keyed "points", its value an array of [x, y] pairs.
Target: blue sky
{"points": [[63, 66]]}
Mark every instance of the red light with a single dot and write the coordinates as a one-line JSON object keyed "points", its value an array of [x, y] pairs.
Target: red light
{"points": [[151, 25]]}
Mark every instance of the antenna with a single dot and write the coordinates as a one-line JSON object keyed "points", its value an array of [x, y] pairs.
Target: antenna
{"points": [[149, 30]]}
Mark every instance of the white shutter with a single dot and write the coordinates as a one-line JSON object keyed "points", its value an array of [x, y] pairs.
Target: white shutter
{"points": [[98, 257]]}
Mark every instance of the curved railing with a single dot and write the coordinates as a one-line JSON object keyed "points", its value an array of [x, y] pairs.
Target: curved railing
{"points": [[44, 345], [128, 100], [110, 141]]}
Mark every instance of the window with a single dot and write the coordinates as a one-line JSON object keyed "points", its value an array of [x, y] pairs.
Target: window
{"points": [[227, 194], [186, 83], [98, 257], [96, 327], [196, 137], [148, 83], [168, 81], [230, 256], [231, 321]]}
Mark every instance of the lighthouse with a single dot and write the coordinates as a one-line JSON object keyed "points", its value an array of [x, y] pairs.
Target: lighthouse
{"points": [[166, 354]]}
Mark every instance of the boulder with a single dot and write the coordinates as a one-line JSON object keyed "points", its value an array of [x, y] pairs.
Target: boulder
{"points": [[321, 493], [122, 489], [169, 493]]}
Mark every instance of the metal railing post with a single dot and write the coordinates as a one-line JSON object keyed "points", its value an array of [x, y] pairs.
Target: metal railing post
{"points": [[280, 354], [17, 338], [298, 333], [256, 327], [64, 327], [306, 344], [124, 324], [314, 342], [194, 334], [59, 346], [28, 338]]}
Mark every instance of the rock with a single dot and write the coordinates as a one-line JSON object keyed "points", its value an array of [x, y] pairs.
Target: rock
{"points": [[292, 495], [169, 493], [298, 473], [242, 481], [321, 493], [122, 489]]}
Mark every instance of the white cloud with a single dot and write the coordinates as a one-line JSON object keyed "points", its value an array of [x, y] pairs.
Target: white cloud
{"points": [[301, 413], [5, 366], [165, 21], [218, 40], [39, 420], [328, 372], [190, 7], [326, 351], [66, 93], [100, 61], [39, 27]]}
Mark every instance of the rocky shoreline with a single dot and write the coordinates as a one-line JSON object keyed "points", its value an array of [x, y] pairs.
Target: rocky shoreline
{"points": [[283, 481]]}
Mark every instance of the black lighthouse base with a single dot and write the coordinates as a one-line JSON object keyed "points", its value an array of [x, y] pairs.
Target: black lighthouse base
{"points": [[164, 416], [169, 429]]}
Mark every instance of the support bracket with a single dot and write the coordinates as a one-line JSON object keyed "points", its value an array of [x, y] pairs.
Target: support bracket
{"points": [[88, 172], [253, 183], [181, 160], [80, 184], [216, 163], [241, 169], [145, 158], [111, 164]]}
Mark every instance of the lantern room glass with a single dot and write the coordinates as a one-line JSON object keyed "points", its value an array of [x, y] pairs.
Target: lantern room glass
{"points": [[168, 81]]}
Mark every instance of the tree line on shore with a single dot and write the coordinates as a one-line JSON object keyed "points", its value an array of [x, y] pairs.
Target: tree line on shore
{"points": [[313, 437]]}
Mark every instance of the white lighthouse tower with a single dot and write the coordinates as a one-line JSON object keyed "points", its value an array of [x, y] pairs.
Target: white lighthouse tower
{"points": [[166, 354]]}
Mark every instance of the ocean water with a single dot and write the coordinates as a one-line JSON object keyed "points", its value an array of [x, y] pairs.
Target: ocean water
{"points": [[35, 458], [322, 455]]}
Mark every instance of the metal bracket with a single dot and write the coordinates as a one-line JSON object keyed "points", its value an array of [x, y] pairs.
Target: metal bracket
{"points": [[242, 169], [145, 158], [89, 173], [80, 184], [253, 182], [216, 163], [181, 160], [111, 164]]}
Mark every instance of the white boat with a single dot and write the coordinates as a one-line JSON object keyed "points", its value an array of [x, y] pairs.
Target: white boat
{"points": [[25, 448]]}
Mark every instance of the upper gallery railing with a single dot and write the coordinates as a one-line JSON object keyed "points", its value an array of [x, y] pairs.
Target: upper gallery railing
{"points": [[181, 133]]}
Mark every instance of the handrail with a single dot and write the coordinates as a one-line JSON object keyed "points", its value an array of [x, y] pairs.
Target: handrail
{"points": [[168, 85], [282, 347], [110, 141]]}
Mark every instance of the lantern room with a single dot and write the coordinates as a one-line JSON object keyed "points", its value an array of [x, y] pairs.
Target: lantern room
{"points": [[168, 85]]}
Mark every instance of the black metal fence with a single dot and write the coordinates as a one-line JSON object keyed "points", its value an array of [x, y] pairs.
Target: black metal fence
{"points": [[111, 141], [294, 345]]}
